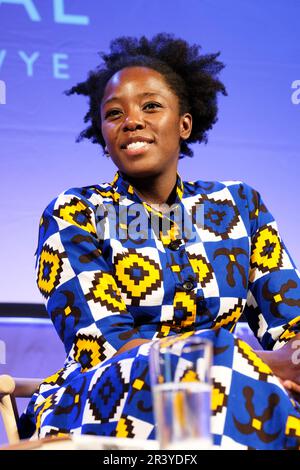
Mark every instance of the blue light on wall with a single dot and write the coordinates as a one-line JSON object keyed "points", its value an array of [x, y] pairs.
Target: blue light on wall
{"points": [[48, 46], [59, 12]]}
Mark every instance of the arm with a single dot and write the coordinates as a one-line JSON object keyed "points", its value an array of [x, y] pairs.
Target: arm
{"points": [[273, 304], [285, 363], [131, 344], [82, 297]]}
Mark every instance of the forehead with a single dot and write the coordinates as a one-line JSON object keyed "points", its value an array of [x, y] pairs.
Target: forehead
{"points": [[136, 80]]}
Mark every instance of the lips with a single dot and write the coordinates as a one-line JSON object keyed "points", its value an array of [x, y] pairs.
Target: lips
{"points": [[137, 148], [136, 142]]}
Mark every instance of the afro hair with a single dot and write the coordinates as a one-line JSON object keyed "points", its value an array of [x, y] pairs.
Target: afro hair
{"points": [[191, 76]]}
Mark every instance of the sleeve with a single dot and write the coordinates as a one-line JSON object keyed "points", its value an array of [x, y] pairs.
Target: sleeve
{"points": [[81, 294], [273, 302]]}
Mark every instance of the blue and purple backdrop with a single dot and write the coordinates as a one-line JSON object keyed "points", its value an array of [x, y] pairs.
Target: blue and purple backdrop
{"points": [[48, 45]]}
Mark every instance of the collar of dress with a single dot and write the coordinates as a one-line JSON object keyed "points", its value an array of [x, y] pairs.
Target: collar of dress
{"points": [[124, 189]]}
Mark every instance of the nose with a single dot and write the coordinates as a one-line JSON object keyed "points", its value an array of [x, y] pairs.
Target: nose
{"points": [[133, 121]]}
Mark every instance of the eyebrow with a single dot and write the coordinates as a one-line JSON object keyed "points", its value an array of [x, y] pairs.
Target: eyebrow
{"points": [[140, 95]]}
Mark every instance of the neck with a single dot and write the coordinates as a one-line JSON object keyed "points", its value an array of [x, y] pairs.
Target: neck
{"points": [[159, 189]]}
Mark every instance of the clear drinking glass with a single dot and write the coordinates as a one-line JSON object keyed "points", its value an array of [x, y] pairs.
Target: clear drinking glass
{"points": [[181, 386]]}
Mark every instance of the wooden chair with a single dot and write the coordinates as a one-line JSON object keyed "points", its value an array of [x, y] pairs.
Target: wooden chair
{"points": [[10, 389]]}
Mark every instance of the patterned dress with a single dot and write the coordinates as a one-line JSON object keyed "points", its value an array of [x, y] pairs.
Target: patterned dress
{"points": [[108, 280]]}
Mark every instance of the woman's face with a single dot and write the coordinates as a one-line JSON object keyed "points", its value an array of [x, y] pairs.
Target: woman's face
{"points": [[141, 124]]}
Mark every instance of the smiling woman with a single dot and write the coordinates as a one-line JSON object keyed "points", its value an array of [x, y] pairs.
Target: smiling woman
{"points": [[111, 296], [142, 128]]}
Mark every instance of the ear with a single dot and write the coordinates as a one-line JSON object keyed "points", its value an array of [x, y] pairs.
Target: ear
{"points": [[186, 123]]}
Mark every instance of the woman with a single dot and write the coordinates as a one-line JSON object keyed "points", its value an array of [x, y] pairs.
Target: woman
{"points": [[111, 288]]}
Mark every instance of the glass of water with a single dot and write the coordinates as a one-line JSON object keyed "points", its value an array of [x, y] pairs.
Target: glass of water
{"points": [[181, 385]]}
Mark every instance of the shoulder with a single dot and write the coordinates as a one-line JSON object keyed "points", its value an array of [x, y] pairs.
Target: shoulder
{"points": [[213, 189], [80, 198], [237, 196], [75, 208], [70, 213]]}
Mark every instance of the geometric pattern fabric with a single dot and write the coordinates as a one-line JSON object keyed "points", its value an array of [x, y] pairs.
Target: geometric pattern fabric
{"points": [[102, 289]]}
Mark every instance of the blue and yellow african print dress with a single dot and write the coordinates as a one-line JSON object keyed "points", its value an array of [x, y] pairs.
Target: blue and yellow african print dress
{"points": [[104, 287]]}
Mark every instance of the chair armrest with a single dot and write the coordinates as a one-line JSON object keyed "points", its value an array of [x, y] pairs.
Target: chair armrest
{"points": [[7, 385], [10, 388], [19, 387], [8, 408], [26, 387]]}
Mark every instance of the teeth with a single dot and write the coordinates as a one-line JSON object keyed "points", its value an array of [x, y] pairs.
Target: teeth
{"points": [[136, 145]]}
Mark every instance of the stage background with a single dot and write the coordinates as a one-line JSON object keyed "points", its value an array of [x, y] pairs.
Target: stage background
{"points": [[48, 45]]}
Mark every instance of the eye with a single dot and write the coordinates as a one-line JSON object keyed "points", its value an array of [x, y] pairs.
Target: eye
{"points": [[152, 105], [112, 113]]}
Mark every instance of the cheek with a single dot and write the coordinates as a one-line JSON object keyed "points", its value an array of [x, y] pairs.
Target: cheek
{"points": [[169, 126], [108, 133]]}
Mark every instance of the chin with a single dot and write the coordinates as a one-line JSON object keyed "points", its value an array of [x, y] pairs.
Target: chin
{"points": [[141, 170]]}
